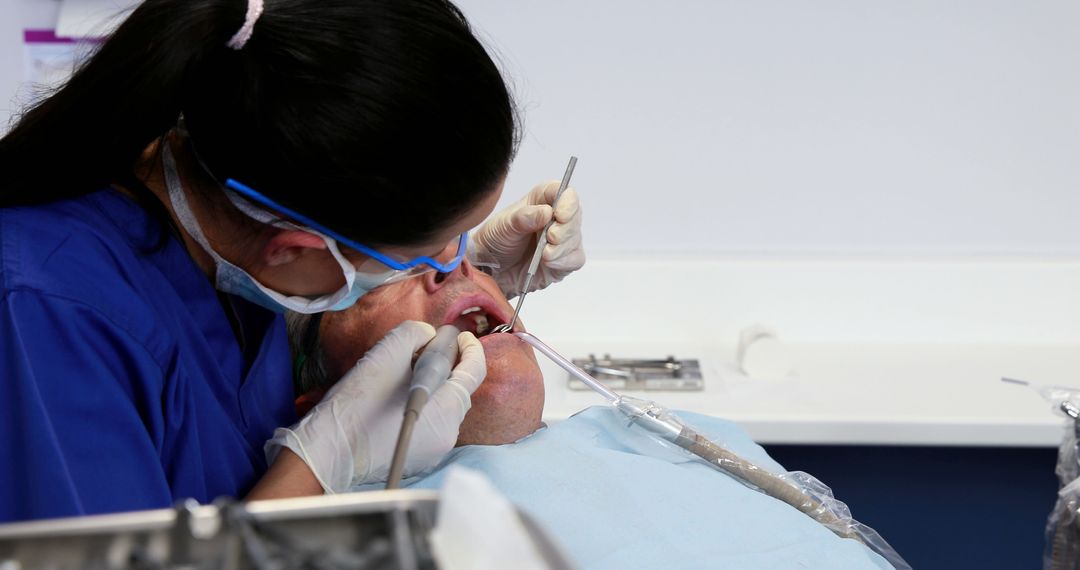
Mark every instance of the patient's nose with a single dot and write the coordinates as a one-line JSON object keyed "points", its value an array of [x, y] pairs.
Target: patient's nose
{"points": [[435, 280]]}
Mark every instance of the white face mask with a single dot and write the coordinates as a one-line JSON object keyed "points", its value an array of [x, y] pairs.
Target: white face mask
{"points": [[233, 279]]}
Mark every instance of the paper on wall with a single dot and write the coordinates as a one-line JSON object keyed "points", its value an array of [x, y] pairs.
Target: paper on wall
{"points": [[91, 18]]}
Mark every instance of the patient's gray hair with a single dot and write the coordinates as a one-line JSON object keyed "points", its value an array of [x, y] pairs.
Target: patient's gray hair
{"points": [[308, 356]]}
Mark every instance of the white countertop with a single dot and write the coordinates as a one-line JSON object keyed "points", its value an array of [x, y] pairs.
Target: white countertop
{"points": [[934, 394], [886, 351]]}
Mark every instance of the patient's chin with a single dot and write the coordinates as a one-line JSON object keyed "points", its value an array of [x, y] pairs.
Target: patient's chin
{"points": [[510, 403]]}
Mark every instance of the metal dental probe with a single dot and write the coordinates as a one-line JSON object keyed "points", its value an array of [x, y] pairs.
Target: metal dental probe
{"points": [[431, 370], [541, 242]]}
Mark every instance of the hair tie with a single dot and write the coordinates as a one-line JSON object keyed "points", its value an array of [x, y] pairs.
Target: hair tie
{"points": [[254, 10]]}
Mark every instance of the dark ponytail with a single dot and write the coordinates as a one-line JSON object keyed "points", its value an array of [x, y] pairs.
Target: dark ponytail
{"points": [[383, 119]]}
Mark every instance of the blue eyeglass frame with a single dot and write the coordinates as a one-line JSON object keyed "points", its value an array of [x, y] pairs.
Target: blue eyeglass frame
{"points": [[390, 262]]}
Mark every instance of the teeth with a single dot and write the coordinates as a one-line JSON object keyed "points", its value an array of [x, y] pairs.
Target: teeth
{"points": [[470, 310], [481, 324]]}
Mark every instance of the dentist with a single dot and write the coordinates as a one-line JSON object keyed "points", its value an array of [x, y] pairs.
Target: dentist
{"points": [[214, 164]]}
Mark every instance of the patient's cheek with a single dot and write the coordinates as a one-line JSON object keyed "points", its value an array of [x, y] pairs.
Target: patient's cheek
{"points": [[509, 404], [501, 401]]}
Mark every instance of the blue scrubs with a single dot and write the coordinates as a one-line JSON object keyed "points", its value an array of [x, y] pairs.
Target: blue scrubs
{"points": [[122, 382]]}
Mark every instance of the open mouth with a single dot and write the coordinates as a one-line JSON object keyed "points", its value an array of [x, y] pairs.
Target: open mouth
{"points": [[477, 318]]}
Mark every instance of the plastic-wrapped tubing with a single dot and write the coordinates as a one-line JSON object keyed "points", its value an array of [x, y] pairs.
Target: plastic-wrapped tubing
{"points": [[1062, 537], [1062, 532], [800, 490], [781, 487]]}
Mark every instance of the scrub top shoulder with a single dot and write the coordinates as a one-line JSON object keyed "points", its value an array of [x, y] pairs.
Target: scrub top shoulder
{"points": [[124, 384]]}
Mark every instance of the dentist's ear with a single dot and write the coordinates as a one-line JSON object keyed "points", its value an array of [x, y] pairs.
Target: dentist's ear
{"points": [[287, 245]]}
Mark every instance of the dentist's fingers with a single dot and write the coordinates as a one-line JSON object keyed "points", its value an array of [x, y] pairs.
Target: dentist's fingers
{"points": [[568, 208], [472, 364]]}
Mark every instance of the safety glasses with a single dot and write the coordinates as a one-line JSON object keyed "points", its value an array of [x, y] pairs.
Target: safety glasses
{"points": [[407, 267]]}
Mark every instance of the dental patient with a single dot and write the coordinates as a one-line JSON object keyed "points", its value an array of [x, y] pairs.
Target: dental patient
{"points": [[505, 408], [612, 497]]}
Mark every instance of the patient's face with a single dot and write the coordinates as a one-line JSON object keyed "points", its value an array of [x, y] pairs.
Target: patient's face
{"points": [[509, 404]]}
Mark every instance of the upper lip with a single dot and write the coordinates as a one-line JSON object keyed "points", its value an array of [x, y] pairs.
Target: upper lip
{"points": [[496, 314]]}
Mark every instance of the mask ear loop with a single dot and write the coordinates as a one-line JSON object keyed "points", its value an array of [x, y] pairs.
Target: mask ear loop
{"points": [[180, 203]]}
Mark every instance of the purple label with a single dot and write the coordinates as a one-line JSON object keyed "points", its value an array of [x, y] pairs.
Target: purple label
{"points": [[50, 37]]}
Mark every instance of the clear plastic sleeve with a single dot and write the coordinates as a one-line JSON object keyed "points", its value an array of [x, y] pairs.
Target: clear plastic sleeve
{"points": [[1062, 547]]}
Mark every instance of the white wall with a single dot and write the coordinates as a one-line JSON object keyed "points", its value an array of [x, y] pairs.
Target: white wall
{"points": [[839, 126], [916, 127], [16, 15]]}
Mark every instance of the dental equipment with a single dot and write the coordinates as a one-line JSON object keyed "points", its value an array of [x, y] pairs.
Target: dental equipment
{"points": [[800, 490], [1062, 535], [373, 530], [430, 371], [651, 375], [541, 242]]}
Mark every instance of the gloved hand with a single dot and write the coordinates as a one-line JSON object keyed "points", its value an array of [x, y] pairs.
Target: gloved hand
{"points": [[348, 438], [509, 238]]}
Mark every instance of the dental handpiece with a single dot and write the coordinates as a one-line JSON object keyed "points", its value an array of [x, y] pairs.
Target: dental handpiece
{"points": [[430, 371]]}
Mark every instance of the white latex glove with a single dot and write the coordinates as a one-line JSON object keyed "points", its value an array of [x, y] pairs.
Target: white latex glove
{"points": [[509, 238], [348, 438]]}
